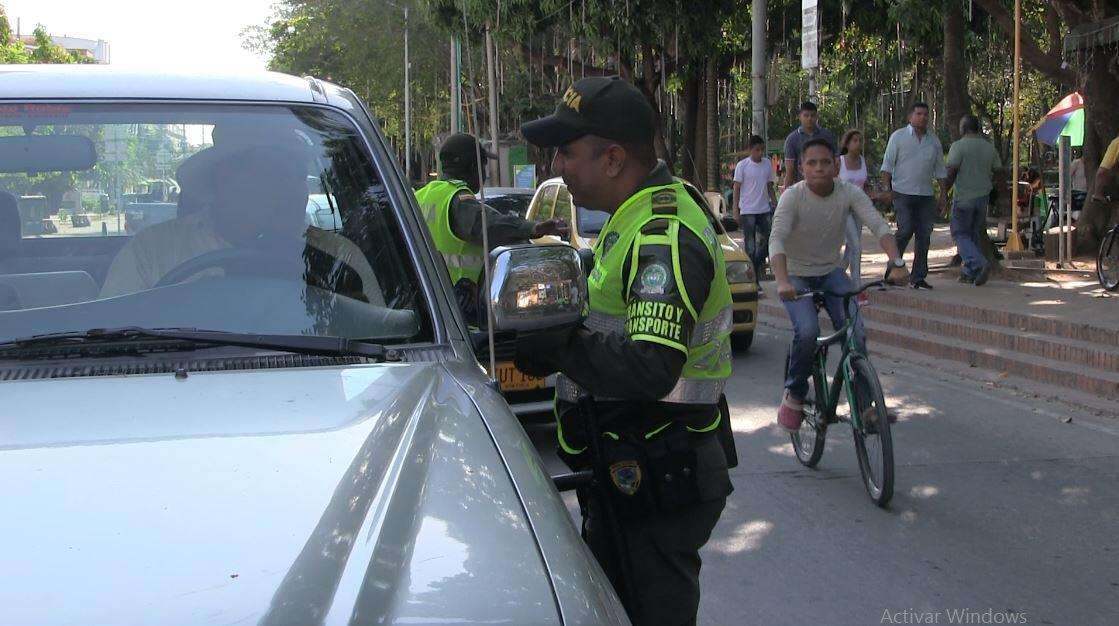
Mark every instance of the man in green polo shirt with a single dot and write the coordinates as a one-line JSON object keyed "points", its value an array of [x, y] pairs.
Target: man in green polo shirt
{"points": [[972, 167], [973, 163]]}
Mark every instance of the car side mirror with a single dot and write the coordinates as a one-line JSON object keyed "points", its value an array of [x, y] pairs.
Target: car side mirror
{"points": [[537, 287]]}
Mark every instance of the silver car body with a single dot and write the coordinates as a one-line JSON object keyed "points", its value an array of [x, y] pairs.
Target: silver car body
{"points": [[359, 494]]}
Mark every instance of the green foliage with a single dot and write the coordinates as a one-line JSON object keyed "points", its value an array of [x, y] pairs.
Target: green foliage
{"points": [[361, 45], [45, 50]]}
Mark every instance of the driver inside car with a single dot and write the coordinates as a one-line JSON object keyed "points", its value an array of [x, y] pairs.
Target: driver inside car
{"points": [[253, 198]]}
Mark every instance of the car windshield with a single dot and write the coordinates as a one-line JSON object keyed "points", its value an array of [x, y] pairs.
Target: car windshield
{"points": [[509, 202], [247, 219], [591, 221]]}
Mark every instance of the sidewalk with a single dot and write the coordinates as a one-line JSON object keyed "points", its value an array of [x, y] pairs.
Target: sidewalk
{"points": [[1057, 329], [1072, 297]]}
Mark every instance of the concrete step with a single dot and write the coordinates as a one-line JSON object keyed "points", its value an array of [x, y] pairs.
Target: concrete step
{"points": [[1049, 371], [1087, 354], [1021, 322], [908, 336]]}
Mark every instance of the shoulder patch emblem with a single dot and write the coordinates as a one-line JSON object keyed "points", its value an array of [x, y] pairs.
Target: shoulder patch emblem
{"points": [[653, 280]]}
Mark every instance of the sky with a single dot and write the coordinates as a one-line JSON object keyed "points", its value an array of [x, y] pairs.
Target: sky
{"points": [[184, 35]]}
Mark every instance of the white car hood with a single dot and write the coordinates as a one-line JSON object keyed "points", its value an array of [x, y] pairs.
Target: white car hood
{"points": [[363, 494]]}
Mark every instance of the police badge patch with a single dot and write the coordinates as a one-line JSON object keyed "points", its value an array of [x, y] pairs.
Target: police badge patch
{"points": [[653, 280], [626, 476]]}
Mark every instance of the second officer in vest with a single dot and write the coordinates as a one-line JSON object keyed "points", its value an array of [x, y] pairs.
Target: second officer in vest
{"points": [[454, 217], [654, 351]]}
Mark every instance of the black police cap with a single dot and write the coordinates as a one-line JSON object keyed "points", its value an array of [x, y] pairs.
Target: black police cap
{"points": [[462, 150], [604, 106]]}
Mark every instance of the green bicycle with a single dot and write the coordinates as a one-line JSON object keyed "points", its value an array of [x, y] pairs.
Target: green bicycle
{"points": [[855, 379]]}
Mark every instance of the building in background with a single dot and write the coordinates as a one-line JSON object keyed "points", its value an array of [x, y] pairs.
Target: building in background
{"points": [[95, 50]]}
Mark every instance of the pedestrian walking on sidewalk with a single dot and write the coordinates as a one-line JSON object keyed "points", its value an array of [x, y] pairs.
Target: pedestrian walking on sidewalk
{"points": [[755, 199], [973, 163], [852, 169], [808, 130], [914, 157]]}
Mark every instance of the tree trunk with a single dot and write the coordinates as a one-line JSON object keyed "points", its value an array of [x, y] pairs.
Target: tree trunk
{"points": [[688, 160], [650, 85], [711, 107], [957, 101], [698, 147]]}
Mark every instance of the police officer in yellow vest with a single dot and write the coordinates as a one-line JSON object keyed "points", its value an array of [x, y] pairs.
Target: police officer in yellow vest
{"points": [[454, 217], [654, 351]]}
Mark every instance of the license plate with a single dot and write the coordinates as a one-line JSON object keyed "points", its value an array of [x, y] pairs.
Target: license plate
{"points": [[509, 378]]}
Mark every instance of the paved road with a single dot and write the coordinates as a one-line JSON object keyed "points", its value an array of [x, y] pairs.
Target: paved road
{"points": [[1001, 510]]}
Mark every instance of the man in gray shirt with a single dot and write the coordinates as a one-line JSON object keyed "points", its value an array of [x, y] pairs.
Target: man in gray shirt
{"points": [[794, 144], [914, 157], [808, 231]]}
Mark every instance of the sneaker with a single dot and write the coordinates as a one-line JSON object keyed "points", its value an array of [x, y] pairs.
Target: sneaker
{"points": [[790, 414], [983, 275], [920, 284]]}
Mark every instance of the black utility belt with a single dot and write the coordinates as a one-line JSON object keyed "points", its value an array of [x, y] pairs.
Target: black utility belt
{"points": [[642, 475]]}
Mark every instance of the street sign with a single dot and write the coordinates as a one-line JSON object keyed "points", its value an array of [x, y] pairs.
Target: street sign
{"points": [[810, 35], [114, 148]]}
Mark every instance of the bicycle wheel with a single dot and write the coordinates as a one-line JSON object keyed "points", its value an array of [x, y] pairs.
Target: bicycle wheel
{"points": [[1107, 263], [873, 444], [808, 442]]}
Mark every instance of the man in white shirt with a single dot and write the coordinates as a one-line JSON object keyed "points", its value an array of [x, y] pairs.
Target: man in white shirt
{"points": [[913, 159], [808, 232], [755, 199]]}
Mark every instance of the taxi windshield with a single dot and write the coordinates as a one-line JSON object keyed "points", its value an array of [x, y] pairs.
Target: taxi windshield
{"points": [[233, 218]]}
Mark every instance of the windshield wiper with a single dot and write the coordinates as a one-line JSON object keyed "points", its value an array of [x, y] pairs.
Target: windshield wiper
{"points": [[300, 344]]}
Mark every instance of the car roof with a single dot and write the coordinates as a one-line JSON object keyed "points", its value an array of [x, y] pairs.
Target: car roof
{"points": [[82, 81]]}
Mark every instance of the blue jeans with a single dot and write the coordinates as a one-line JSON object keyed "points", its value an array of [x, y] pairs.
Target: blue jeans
{"points": [[755, 238], [853, 250], [806, 325], [915, 219], [968, 216]]}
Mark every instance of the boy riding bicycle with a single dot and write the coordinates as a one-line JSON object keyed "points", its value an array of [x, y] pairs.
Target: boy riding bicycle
{"points": [[804, 252]]}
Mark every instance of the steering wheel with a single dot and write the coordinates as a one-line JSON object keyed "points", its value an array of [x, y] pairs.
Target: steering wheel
{"points": [[231, 261]]}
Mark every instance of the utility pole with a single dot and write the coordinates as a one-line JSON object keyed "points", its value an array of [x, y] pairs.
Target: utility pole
{"points": [[491, 78], [810, 43], [1014, 242], [456, 73], [758, 70], [407, 105]]}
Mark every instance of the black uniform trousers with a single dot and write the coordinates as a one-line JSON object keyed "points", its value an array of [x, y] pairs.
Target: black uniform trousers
{"points": [[663, 547]]}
